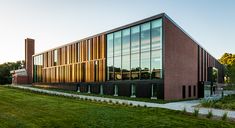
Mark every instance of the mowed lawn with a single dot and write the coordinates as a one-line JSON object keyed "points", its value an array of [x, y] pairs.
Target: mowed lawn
{"points": [[24, 109]]}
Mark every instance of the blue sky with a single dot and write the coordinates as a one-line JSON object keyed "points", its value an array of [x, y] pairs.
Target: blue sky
{"points": [[56, 22]]}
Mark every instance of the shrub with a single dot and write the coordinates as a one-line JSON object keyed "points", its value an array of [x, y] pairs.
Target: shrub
{"points": [[225, 116], [123, 103], [117, 102], [104, 101], [196, 112], [184, 110], [130, 104], [110, 101], [145, 105], [138, 105], [210, 114]]}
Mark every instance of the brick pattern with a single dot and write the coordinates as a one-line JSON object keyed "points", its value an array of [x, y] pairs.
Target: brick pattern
{"points": [[180, 63], [19, 79], [29, 52]]}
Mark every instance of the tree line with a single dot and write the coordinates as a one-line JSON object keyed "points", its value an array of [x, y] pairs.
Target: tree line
{"points": [[228, 60], [5, 68]]}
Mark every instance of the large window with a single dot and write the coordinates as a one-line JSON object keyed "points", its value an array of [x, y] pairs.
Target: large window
{"points": [[110, 73], [126, 54], [89, 50], [135, 52], [78, 52], [145, 51], [117, 55], [156, 49], [55, 57], [37, 68]]}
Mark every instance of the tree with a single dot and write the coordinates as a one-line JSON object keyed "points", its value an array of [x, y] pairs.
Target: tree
{"points": [[228, 60], [5, 75]]}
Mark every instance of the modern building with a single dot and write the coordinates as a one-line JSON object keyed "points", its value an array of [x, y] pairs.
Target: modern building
{"points": [[151, 58]]}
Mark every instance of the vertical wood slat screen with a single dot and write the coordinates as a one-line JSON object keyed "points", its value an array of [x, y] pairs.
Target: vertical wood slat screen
{"points": [[75, 64]]}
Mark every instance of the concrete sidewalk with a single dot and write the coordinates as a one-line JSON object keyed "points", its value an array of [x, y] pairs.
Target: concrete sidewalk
{"points": [[188, 105]]}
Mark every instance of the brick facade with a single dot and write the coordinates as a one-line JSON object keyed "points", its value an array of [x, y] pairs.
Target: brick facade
{"points": [[29, 51], [180, 62]]}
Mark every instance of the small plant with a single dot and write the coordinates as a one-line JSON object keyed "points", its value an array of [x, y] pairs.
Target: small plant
{"points": [[110, 101], [210, 114], [117, 102], [138, 105], [145, 105], [225, 116], [184, 110], [86, 98], [196, 112], [104, 101], [130, 104], [123, 103]]}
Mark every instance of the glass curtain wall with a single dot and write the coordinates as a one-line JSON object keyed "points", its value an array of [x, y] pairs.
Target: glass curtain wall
{"points": [[135, 53], [145, 51], [156, 49], [117, 55], [110, 73], [126, 54]]}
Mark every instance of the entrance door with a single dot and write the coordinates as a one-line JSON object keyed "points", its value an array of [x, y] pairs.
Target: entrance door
{"points": [[183, 91], [200, 89]]}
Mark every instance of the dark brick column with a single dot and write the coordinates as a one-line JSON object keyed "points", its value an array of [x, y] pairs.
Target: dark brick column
{"points": [[29, 51]]}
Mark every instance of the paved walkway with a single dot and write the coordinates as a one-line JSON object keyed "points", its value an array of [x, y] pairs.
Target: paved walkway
{"points": [[188, 105]]}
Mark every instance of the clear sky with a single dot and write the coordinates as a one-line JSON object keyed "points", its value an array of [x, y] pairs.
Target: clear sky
{"points": [[56, 22]]}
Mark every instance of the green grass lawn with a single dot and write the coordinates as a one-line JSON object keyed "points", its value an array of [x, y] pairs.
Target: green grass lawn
{"points": [[228, 102], [20, 108]]}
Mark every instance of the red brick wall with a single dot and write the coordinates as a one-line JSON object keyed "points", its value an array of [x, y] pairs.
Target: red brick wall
{"points": [[29, 51], [20, 79], [180, 62]]}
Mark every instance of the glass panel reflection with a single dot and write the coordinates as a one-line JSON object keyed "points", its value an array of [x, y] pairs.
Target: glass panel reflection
{"points": [[136, 52], [156, 64], [110, 73], [145, 37], [156, 49], [117, 55], [145, 65], [117, 68], [135, 68], [135, 49], [126, 54]]}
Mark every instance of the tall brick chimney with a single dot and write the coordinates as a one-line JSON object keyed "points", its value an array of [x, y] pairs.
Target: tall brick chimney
{"points": [[29, 51]]}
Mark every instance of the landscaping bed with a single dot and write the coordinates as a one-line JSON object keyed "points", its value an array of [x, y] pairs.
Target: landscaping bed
{"points": [[227, 102]]}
